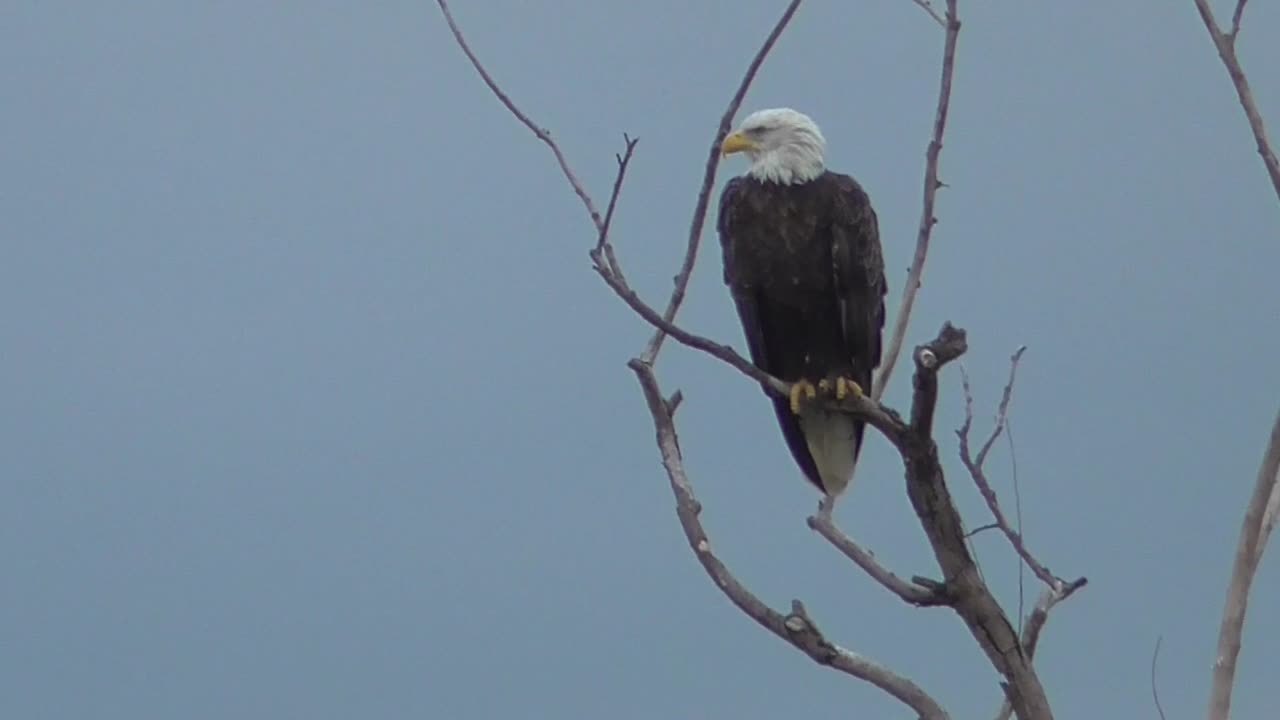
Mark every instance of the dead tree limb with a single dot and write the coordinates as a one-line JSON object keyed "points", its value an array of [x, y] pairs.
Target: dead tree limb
{"points": [[1254, 532], [927, 218], [796, 628], [1260, 515]]}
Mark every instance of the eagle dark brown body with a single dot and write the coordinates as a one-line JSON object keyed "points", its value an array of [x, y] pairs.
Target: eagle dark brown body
{"points": [[804, 264]]}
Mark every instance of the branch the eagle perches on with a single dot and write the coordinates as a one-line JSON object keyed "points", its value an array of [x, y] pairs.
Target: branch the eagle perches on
{"points": [[962, 587]]}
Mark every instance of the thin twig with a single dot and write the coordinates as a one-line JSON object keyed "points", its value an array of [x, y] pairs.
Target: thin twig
{"points": [[927, 219], [933, 13], [1155, 693], [1017, 514], [1248, 554], [796, 628], [1235, 19], [982, 528], [1226, 45], [708, 181], [603, 246], [915, 594], [542, 133], [976, 471], [623, 160]]}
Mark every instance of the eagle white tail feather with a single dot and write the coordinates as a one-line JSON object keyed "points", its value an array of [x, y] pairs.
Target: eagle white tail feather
{"points": [[830, 438]]}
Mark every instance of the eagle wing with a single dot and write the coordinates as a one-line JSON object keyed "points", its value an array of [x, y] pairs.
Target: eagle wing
{"points": [[756, 316], [858, 263], [789, 338]]}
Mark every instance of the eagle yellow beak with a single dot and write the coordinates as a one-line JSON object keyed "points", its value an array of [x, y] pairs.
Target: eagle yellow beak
{"points": [[736, 143]]}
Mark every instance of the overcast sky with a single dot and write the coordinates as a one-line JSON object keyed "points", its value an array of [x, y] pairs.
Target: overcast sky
{"points": [[314, 408]]}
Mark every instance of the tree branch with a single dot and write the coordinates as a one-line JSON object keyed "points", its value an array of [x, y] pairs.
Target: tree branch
{"points": [[708, 181], [1248, 554], [797, 628], [927, 219], [1260, 515], [918, 595], [1155, 693], [1226, 45], [926, 487], [541, 133], [1236, 17], [977, 472]]}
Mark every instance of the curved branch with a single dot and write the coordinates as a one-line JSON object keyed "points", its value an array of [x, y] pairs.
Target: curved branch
{"points": [[541, 133], [709, 179], [797, 628], [1248, 554], [927, 219]]}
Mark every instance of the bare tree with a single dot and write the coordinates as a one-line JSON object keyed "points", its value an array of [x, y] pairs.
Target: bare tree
{"points": [[1260, 515], [962, 588]]}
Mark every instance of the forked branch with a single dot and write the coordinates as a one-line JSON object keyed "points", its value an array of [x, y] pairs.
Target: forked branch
{"points": [[1225, 42], [977, 471]]}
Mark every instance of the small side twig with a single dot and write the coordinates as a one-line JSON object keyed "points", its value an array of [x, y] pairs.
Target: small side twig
{"points": [[927, 218], [1236, 16], [1155, 692], [623, 160], [603, 246]]}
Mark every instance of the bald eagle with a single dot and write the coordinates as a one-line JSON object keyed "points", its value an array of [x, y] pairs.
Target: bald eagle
{"points": [[802, 260]]}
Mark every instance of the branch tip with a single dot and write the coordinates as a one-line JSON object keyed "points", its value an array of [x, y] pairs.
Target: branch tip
{"points": [[930, 191]]}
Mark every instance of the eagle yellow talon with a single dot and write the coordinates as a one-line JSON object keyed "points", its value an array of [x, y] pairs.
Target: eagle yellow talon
{"points": [[846, 387], [801, 389]]}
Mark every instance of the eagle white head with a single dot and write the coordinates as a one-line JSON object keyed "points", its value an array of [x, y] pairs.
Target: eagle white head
{"points": [[784, 146]]}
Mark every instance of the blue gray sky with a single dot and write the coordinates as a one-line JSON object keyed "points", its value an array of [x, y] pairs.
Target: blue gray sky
{"points": [[314, 408]]}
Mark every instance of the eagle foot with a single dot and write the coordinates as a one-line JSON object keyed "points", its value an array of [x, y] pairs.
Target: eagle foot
{"points": [[840, 388], [846, 387], [802, 390]]}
